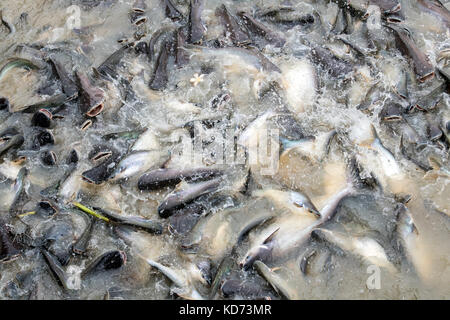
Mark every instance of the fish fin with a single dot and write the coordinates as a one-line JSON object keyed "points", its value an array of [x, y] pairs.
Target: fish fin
{"points": [[354, 179], [271, 236], [304, 260], [330, 139]]}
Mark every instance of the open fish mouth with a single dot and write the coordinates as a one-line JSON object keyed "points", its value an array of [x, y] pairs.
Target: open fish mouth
{"points": [[224, 149]]}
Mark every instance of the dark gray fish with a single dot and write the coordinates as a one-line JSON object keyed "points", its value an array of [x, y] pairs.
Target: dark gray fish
{"points": [[262, 30], [135, 221], [79, 247], [158, 34], [42, 118], [359, 7], [422, 66], [290, 17], [56, 269], [436, 8], [179, 198], [19, 287], [68, 85], [110, 260], [160, 178], [100, 173], [337, 68], [57, 239], [224, 269], [340, 24], [171, 11], [48, 158], [108, 68], [160, 77], [430, 100], [137, 18], [396, 17], [18, 188], [8, 249], [13, 142], [181, 57], [406, 152], [392, 112], [72, 158], [52, 104], [8, 133], [183, 220], [42, 138], [91, 97], [237, 34], [46, 208], [100, 153], [196, 26]]}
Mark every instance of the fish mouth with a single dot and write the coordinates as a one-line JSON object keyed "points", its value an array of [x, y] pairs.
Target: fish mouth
{"points": [[86, 125], [427, 77], [95, 110]]}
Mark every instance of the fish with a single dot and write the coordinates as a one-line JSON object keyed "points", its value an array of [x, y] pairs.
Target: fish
{"points": [[280, 284], [135, 163], [68, 85], [196, 27], [409, 241], [436, 8], [17, 63], [295, 202], [405, 42], [289, 233], [186, 194], [13, 142], [8, 248], [232, 27], [314, 147], [220, 232], [182, 57], [180, 279], [171, 11], [149, 225], [108, 68], [18, 188], [336, 67], [223, 270], [160, 178], [360, 7], [160, 78], [91, 98], [287, 16], [367, 248], [236, 58], [49, 158], [107, 261], [57, 270], [262, 30], [79, 247], [42, 118], [245, 288]]}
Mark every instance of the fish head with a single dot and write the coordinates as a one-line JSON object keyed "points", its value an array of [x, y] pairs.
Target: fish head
{"points": [[261, 252]]}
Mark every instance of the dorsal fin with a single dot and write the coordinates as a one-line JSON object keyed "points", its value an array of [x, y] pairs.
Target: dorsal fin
{"points": [[271, 236]]}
